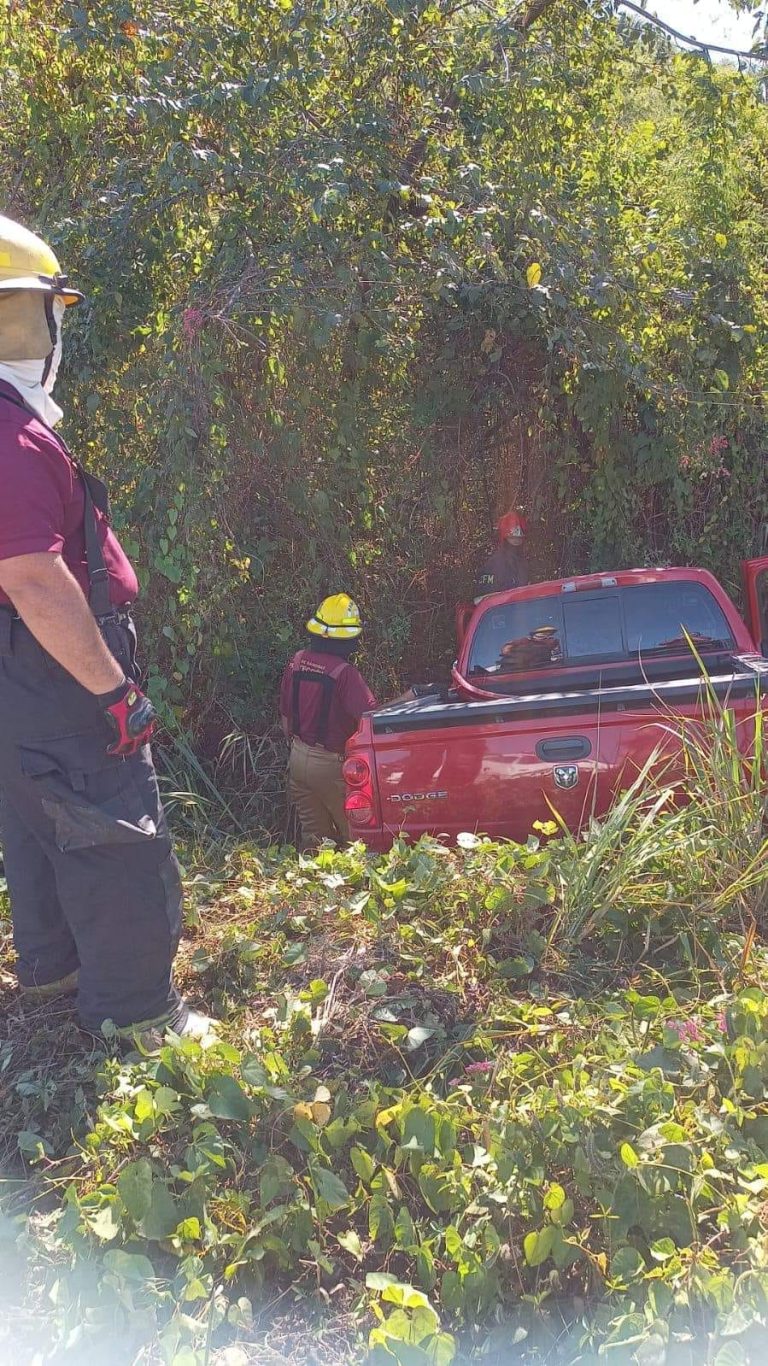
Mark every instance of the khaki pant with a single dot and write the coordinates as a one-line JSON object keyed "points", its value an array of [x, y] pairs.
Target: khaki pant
{"points": [[316, 787]]}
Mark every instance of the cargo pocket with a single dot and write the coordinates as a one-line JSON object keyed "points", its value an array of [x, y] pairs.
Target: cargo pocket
{"points": [[91, 798], [170, 877]]}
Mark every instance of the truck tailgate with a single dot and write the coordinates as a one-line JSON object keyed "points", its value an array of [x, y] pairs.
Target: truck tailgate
{"points": [[495, 767]]}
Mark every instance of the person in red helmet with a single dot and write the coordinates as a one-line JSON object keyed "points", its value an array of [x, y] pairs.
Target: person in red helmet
{"points": [[506, 567]]}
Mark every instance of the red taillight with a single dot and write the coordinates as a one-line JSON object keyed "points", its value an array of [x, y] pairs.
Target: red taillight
{"points": [[360, 804], [359, 807], [356, 771]]}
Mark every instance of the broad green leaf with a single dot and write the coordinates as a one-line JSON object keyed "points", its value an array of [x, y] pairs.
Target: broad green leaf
{"points": [[105, 1222], [129, 1266], [134, 1185], [162, 1216], [329, 1187], [379, 1280], [405, 1230], [166, 1100], [731, 1354], [446, 1136], [407, 1297], [554, 1197], [419, 1130], [381, 1225], [253, 1071], [350, 1241], [628, 1155], [520, 966], [32, 1144], [537, 1246], [372, 983], [436, 1189], [563, 1215], [425, 1266], [441, 1349], [627, 1265], [144, 1106], [226, 1099], [363, 1164], [188, 1230]]}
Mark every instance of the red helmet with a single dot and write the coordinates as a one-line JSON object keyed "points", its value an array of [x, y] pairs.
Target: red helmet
{"points": [[512, 524]]}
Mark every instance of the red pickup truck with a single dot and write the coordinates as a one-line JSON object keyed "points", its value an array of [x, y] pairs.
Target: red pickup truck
{"points": [[560, 694]]}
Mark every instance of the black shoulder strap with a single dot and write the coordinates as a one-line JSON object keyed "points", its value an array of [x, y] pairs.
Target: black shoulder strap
{"points": [[295, 684], [11, 396], [96, 496], [327, 681], [99, 599]]}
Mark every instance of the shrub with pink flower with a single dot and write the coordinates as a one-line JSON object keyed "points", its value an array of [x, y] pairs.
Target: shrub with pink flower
{"points": [[192, 321], [687, 1031], [706, 459]]}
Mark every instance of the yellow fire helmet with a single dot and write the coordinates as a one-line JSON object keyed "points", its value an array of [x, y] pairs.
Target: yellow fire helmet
{"points": [[27, 262], [337, 618]]}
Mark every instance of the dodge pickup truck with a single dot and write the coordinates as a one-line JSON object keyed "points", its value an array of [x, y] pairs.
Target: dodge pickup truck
{"points": [[560, 694]]}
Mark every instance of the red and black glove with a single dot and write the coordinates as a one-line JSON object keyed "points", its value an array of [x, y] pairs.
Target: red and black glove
{"points": [[131, 716]]}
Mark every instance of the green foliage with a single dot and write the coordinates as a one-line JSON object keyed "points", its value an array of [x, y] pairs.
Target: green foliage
{"points": [[437, 1103], [358, 275]]}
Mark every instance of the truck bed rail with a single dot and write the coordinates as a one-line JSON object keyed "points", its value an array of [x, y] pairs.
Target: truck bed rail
{"points": [[749, 675]]}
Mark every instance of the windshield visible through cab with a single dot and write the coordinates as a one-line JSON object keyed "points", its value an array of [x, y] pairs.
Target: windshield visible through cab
{"points": [[599, 627]]}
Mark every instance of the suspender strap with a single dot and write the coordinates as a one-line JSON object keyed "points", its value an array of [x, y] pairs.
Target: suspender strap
{"points": [[320, 734], [95, 496], [327, 681], [99, 599]]}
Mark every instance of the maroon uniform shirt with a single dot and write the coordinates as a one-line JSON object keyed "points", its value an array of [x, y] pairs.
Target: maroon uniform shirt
{"points": [[42, 503], [350, 697]]}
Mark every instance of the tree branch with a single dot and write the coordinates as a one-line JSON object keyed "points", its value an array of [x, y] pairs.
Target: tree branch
{"points": [[535, 10], [689, 39], [414, 158]]}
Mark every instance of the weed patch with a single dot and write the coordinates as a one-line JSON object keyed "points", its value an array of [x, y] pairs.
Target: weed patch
{"points": [[443, 1099]]}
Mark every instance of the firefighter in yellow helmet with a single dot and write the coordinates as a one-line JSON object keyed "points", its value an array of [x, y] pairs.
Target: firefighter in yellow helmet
{"points": [[322, 698]]}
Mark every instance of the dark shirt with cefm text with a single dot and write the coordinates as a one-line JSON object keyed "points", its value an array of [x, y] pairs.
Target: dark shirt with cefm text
{"points": [[351, 697], [505, 568]]}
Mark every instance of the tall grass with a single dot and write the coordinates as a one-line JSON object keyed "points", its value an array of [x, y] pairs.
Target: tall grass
{"points": [[619, 866], [240, 794], [725, 765], [683, 850]]}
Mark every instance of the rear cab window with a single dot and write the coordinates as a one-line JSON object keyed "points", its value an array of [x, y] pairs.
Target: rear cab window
{"points": [[597, 627]]}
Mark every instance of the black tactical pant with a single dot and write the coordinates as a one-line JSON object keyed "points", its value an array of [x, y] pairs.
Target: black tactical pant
{"points": [[93, 881]]}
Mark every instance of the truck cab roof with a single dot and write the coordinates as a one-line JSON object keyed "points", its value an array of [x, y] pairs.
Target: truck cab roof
{"points": [[604, 579]]}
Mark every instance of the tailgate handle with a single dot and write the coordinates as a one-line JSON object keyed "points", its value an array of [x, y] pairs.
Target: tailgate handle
{"points": [[571, 747]]}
